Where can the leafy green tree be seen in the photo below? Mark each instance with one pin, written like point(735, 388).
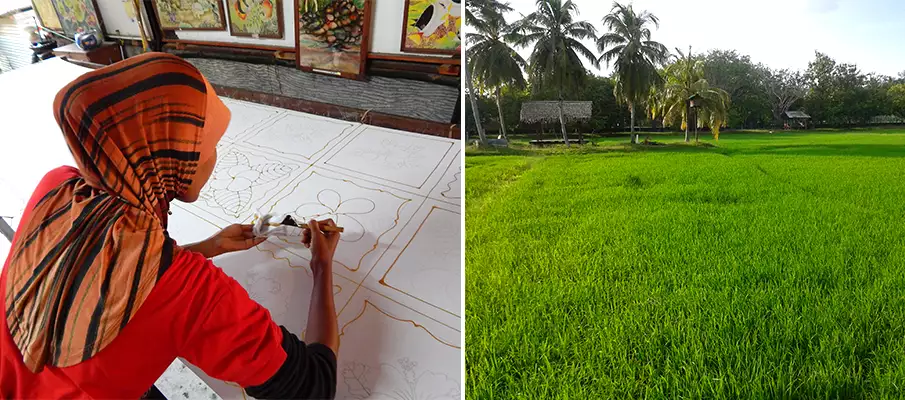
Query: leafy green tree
point(896, 97)
point(841, 95)
point(785, 88)
point(492, 63)
point(875, 97)
point(556, 59)
point(485, 108)
point(511, 100)
point(746, 84)
point(628, 47)
point(606, 114)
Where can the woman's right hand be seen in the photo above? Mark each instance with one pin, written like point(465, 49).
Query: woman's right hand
point(322, 245)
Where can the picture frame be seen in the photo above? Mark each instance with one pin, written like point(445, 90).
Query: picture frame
point(168, 25)
point(276, 6)
point(67, 11)
point(304, 56)
point(47, 14)
point(410, 26)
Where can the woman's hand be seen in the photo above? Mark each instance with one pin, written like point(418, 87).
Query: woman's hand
point(322, 245)
point(232, 238)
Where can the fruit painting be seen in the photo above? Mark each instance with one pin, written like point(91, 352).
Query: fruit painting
point(256, 18)
point(78, 15)
point(46, 14)
point(432, 26)
point(190, 14)
point(333, 36)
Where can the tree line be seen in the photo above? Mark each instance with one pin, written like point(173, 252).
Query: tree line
point(650, 85)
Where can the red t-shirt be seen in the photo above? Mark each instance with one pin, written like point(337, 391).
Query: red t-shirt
point(195, 311)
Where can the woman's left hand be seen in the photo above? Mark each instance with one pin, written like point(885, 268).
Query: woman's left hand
point(232, 238)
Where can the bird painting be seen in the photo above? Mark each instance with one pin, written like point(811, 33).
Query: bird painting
point(433, 17)
point(434, 24)
point(425, 18)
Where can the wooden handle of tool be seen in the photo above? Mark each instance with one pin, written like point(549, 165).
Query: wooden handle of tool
point(326, 228)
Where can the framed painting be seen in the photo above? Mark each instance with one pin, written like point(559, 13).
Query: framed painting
point(78, 14)
point(47, 15)
point(432, 26)
point(200, 15)
point(256, 18)
point(121, 19)
point(333, 36)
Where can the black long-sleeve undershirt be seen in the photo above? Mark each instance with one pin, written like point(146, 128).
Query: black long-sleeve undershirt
point(309, 372)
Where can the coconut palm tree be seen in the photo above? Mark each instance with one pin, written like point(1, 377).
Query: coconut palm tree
point(684, 81)
point(476, 13)
point(628, 47)
point(492, 63)
point(556, 59)
point(712, 109)
point(655, 107)
point(482, 136)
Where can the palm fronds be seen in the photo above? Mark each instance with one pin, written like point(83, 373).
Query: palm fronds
point(627, 46)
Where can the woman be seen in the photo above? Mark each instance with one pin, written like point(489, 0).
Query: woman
point(99, 300)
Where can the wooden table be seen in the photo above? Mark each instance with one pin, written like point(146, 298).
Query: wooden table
point(107, 54)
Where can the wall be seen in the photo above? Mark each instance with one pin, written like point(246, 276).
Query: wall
point(402, 97)
point(386, 37)
point(386, 29)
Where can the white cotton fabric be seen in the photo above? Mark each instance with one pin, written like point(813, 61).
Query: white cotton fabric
point(270, 225)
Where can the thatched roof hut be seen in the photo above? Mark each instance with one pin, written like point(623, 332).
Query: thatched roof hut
point(548, 111)
point(797, 115)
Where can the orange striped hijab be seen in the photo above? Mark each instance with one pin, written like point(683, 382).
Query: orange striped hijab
point(95, 246)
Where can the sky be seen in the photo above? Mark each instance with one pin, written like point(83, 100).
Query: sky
point(778, 33)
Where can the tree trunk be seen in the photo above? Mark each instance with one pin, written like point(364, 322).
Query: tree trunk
point(634, 139)
point(562, 120)
point(687, 120)
point(695, 125)
point(499, 109)
point(475, 111)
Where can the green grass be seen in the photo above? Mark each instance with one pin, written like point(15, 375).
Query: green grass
point(768, 266)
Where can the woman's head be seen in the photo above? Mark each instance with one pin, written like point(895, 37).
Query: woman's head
point(154, 122)
point(143, 132)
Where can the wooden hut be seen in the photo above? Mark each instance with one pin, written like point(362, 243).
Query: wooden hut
point(797, 119)
point(546, 113)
